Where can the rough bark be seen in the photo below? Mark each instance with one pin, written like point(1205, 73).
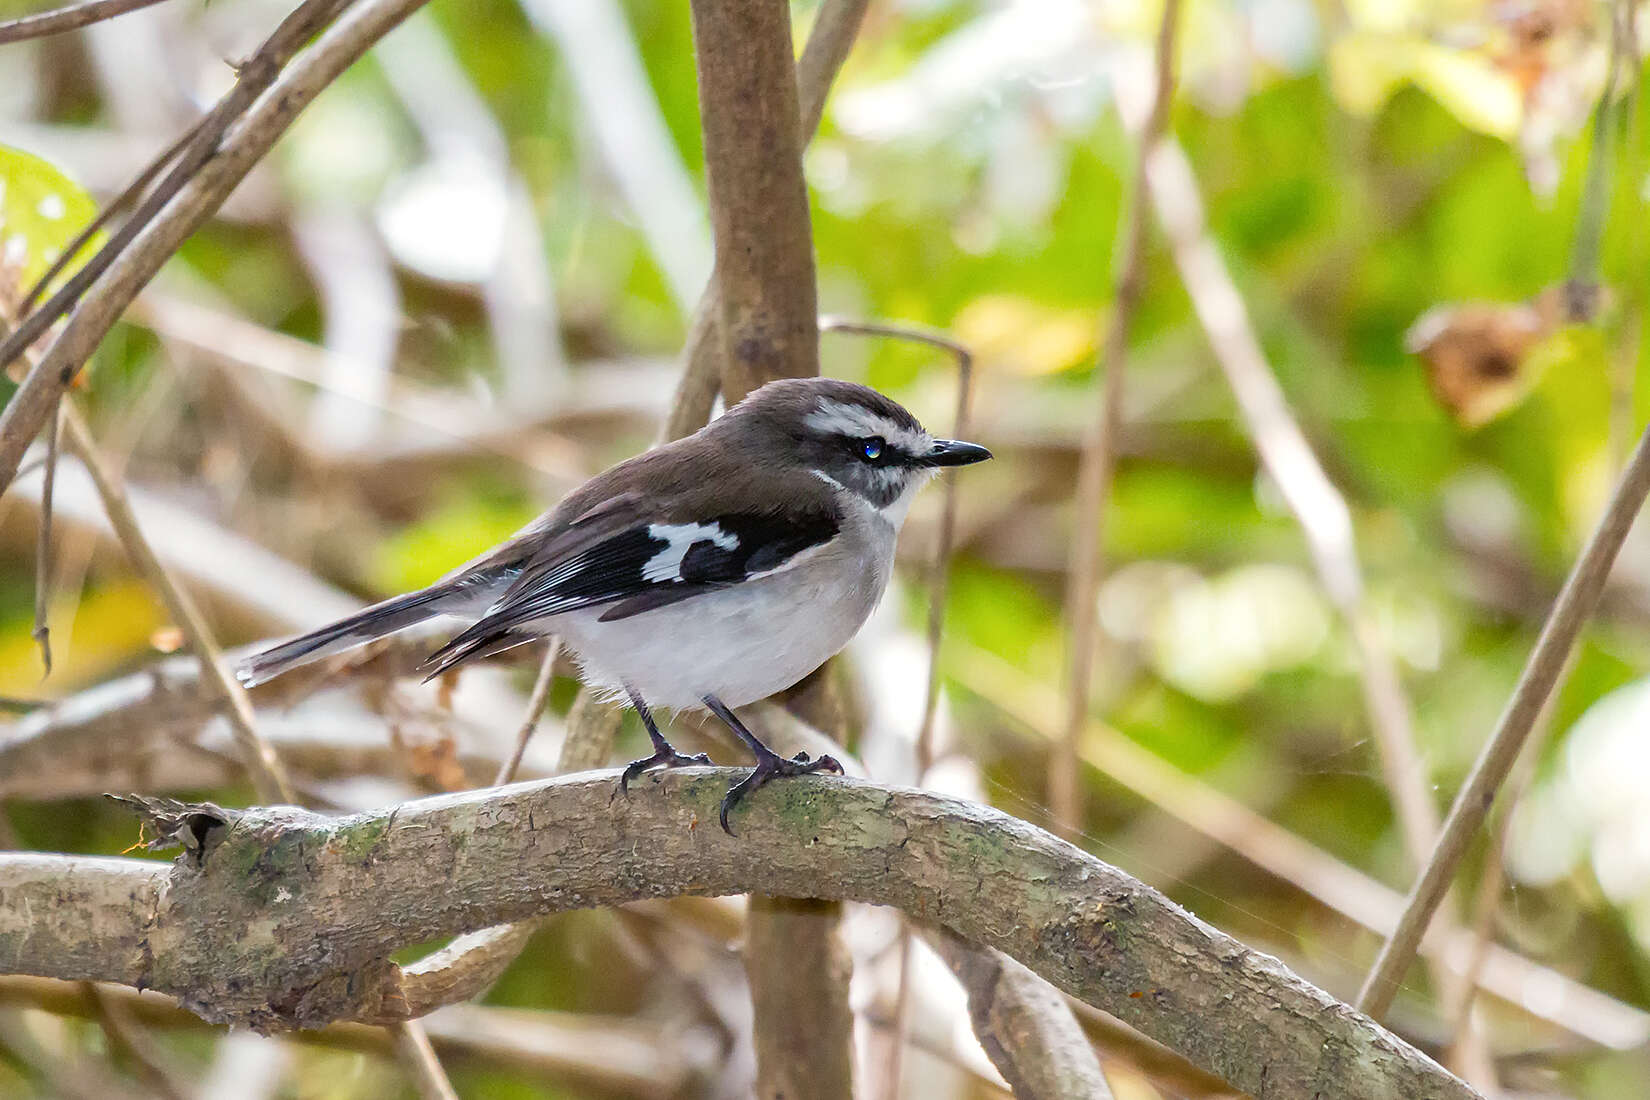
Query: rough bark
point(280, 917)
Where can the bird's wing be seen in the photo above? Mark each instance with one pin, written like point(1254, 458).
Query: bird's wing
point(639, 562)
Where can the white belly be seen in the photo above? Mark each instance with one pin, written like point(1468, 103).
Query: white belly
point(741, 643)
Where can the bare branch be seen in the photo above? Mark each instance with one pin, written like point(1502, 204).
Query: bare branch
point(1024, 1024)
point(43, 558)
point(1344, 889)
point(830, 39)
point(268, 775)
point(208, 184)
point(758, 200)
point(261, 762)
point(626, 1056)
point(233, 925)
point(72, 17)
point(1570, 612)
point(535, 708)
point(197, 148)
point(1095, 469)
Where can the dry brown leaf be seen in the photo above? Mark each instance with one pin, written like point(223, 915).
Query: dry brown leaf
point(1476, 355)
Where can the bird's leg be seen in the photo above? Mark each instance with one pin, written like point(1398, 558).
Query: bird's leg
point(664, 754)
point(769, 764)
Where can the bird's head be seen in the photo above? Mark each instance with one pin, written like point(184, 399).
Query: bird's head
point(849, 436)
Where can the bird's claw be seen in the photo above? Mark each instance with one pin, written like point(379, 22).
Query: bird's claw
point(665, 757)
point(769, 768)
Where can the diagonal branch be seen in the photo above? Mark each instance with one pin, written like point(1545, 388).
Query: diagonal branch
point(1096, 466)
point(1570, 612)
point(269, 777)
point(71, 17)
point(208, 180)
point(233, 925)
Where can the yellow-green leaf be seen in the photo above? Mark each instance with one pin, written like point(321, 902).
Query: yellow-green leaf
point(42, 210)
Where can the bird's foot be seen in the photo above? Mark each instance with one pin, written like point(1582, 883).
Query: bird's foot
point(664, 756)
point(771, 766)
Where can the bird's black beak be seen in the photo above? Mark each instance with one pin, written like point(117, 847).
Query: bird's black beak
point(954, 452)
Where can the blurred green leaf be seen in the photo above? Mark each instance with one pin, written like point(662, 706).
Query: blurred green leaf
point(42, 210)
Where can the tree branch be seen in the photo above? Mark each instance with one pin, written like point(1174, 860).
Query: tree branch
point(72, 17)
point(1570, 612)
point(1099, 455)
point(758, 200)
point(209, 182)
point(279, 917)
point(767, 309)
point(1023, 1023)
point(829, 41)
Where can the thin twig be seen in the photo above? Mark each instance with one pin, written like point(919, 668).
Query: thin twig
point(264, 766)
point(43, 549)
point(128, 195)
point(939, 579)
point(940, 568)
point(1586, 248)
point(268, 777)
point(412, 1043)
point(204, 177)
point(129, 1037)
point(1487, 901)
point(42, 23)
point(1097, 465)
point(1570, 612)
point(535, 708)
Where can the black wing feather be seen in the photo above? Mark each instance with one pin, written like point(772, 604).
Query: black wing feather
point(612, 571)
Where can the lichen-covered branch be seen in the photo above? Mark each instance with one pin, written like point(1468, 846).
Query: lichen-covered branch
point(280, 917)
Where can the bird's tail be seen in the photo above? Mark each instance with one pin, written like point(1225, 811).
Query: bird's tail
point(364, 626)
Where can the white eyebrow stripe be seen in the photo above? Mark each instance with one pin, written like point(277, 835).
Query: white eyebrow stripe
point(666, 565)
point(856, 421)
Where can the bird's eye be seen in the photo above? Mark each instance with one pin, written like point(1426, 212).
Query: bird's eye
point(872, 448)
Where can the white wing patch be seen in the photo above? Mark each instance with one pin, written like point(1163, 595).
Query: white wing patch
point(856, 421)
point(666, 565)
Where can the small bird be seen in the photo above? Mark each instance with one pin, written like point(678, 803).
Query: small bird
point(707, 573)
